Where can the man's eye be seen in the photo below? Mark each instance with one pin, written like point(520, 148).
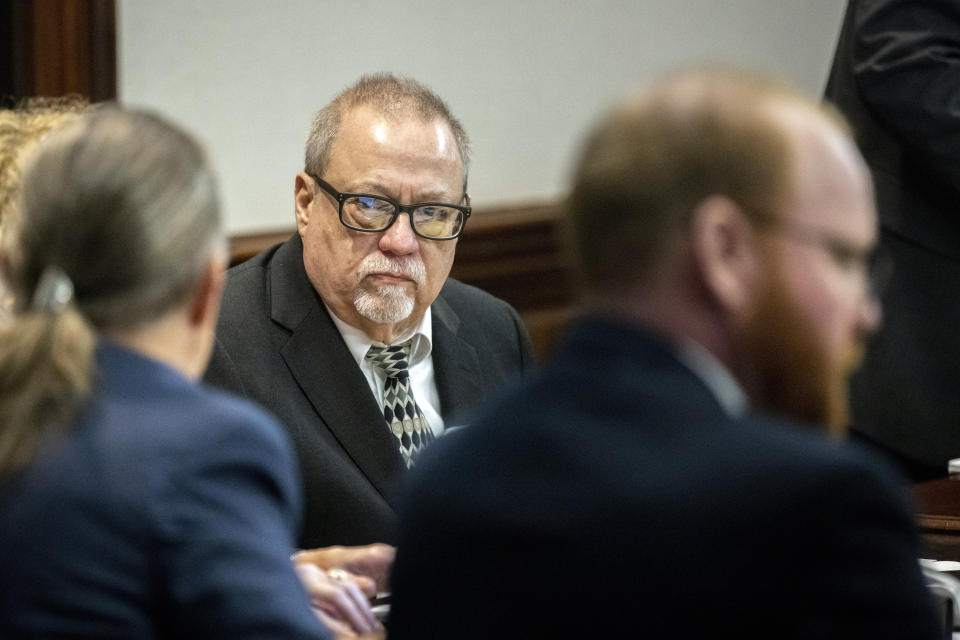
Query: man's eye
point(372, 203)
point(369, 205)
point(440, 214)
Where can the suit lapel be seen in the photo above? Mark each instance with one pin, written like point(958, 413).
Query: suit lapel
point(327, 374)
point(455, 362)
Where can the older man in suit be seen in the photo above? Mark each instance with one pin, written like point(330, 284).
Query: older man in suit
point(351, 332)
point(648, 482)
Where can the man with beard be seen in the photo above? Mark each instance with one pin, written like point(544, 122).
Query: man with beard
point(650, 481)
point(354, 320)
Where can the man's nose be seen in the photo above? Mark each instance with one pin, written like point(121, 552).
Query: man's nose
point(399, 239)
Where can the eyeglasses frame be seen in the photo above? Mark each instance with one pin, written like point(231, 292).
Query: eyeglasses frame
point(877, 263)
point(342, 196)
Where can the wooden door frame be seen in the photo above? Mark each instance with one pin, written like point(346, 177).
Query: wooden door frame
point(57, 48)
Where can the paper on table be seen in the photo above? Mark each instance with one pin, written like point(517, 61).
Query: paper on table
point(953, 466)
point(942, 583)
point(940, 565)
point(380, 605)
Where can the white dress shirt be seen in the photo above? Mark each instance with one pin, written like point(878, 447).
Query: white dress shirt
point(422, 378)
point(715, 376)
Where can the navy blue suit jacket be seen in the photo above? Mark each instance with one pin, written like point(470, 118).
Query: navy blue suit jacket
point(612, 496)
point(167, 510)
point(277, 345)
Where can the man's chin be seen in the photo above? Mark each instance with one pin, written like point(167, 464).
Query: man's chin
point(386, 305)
point(837, 405)
point(795, 375)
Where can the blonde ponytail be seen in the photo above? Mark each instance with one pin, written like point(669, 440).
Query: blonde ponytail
point(46, 375)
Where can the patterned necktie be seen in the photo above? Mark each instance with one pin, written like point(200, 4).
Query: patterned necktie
point(400, 409)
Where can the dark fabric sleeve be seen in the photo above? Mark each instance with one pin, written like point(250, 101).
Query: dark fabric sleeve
point(523, 339)
point(906, 65)
point(859, 560)
point(228, 520)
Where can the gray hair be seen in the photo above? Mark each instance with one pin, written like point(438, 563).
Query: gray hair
point(119, 221)
point(391, 96)
point(126, 205)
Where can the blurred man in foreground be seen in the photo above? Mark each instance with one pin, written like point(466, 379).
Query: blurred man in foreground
point(651, 479)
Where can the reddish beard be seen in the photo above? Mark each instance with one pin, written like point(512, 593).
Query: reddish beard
point(793, 374)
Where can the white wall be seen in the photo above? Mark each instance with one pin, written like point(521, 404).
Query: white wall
point(526, 77)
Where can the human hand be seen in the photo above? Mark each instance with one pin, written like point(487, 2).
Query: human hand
point(373, 561)
point(340, 600)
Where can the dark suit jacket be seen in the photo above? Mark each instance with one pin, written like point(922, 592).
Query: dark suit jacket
point(896, 76)
point(612, 496)
point(167, 510)
point(277, 345)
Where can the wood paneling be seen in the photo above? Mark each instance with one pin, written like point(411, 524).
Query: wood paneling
point(61, 47)
point(938, 517)
point(515, 253)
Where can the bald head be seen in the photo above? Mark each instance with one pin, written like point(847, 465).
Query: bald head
point(396, 98)
point(689, 137)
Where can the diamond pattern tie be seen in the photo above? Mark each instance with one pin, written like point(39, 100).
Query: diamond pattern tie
point(400, 409)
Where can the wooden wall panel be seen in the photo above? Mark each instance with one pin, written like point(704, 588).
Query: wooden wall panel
point(60, 47)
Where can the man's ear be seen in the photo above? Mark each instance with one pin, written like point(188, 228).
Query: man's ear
point(725, 250)
point(205, 305)
point(302, 197)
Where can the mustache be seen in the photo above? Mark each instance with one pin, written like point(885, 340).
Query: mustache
point(409, 267)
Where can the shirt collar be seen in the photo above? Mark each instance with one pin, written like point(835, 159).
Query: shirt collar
point(715, 376)
point(359, 342)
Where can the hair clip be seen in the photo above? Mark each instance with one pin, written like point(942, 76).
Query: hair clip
point(54, 291)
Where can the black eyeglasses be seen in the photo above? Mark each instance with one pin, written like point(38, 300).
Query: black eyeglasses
point(372, 213)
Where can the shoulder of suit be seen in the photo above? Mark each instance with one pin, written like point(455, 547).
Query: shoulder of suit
point(258, 261)
point(804, 449)
point(456, 292)
point(227, 416)
point(246, 282)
